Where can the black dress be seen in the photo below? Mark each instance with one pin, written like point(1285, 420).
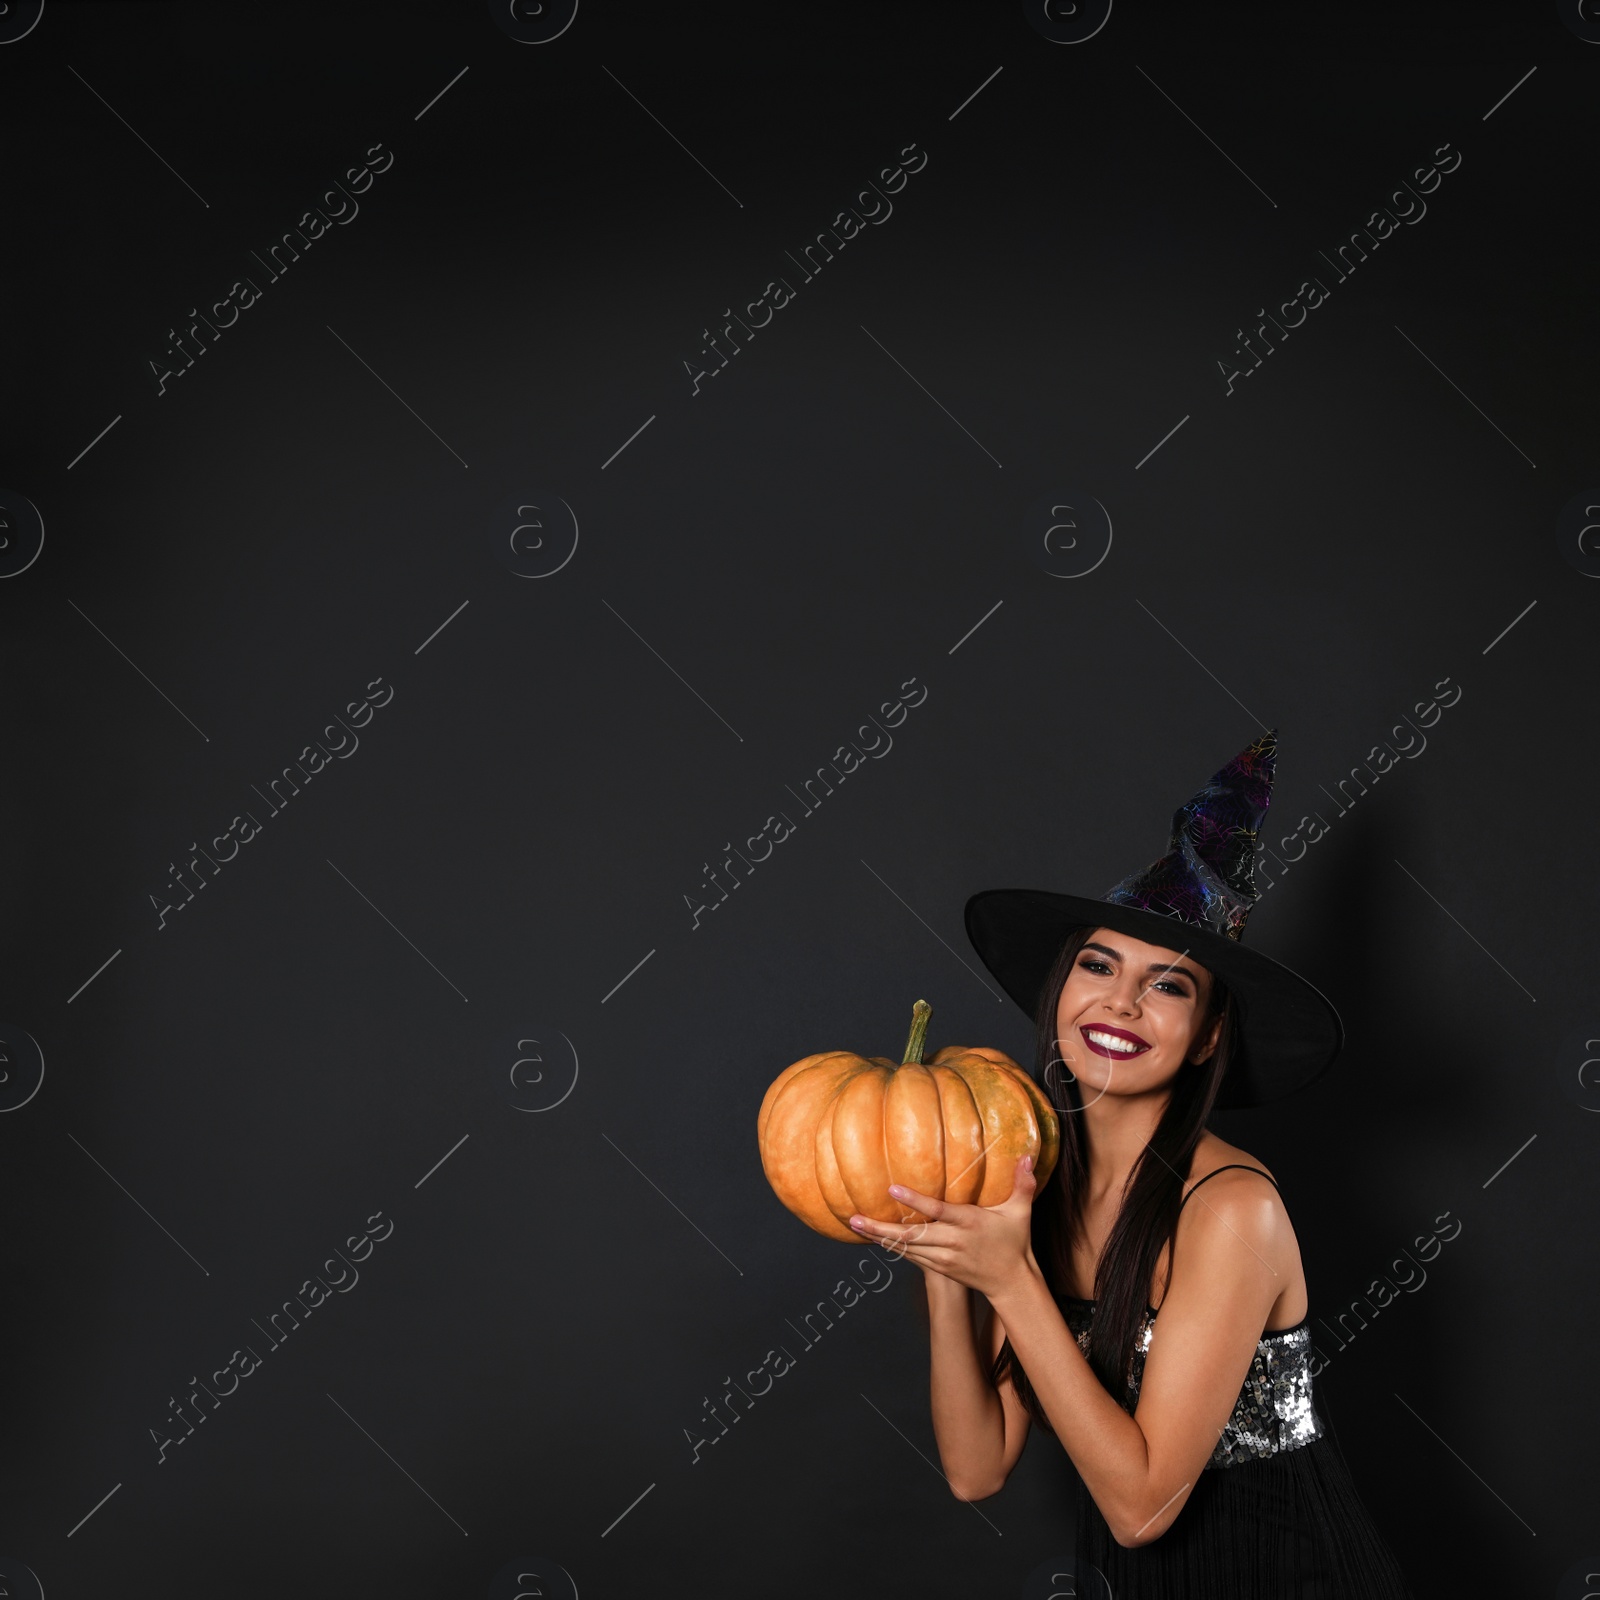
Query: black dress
point(1275, 1515)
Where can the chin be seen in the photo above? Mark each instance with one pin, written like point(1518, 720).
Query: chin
point(1103, 1079)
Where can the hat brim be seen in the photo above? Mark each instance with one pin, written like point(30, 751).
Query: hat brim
point(1289, 1031)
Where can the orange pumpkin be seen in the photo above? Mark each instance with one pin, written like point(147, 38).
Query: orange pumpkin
point(836, 1129)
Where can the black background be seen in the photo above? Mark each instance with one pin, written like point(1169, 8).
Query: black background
point(303, 511)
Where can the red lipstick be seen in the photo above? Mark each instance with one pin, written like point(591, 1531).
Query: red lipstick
point(1111, 1051)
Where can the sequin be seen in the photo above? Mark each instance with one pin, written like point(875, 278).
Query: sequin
point(1275, 1410)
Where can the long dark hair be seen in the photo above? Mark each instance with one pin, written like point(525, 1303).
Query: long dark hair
point(1148, 1215)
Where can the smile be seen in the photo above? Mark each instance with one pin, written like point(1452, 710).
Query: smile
point(1114, 1043)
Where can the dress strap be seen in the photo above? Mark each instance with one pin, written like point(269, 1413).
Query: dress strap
point(1241, 1165)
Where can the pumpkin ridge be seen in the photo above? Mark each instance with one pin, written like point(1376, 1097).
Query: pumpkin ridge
point(959, 1107)
point(838, 1206)
point(1007, 1111)
point(783, 1080)
point(859, 1148)
point(913, 1134)
point(788, 1152)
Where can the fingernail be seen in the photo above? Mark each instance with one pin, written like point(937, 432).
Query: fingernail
point(855, 1222)
point(896, 1190)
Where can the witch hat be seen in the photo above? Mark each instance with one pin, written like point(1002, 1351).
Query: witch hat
point(1195, 898)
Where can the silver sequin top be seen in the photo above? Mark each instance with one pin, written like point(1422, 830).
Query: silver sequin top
point(1275, 1410)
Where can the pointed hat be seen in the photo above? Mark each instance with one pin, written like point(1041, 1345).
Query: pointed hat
point(1195, 898)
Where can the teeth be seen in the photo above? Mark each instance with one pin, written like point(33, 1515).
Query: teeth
point(1112, 1042)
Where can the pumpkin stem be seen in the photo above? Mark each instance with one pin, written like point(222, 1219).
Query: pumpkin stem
point(920, 1013)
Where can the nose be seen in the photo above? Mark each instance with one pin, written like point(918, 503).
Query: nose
point(1123, 1001)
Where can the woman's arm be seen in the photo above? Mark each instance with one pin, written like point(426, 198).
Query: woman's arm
point(981, 1431)
point(1231, 1256)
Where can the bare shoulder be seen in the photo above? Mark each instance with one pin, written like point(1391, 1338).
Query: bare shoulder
point(1235, 1208)
point(1237, 1196)
point(1212, 1153)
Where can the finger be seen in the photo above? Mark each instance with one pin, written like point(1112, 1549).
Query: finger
point(891, 1232)
point(886, 1233)
point(930, 1255)
point(925, 1203)
point(892, 1236)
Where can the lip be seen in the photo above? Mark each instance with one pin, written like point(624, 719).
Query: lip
point(1116, 1033)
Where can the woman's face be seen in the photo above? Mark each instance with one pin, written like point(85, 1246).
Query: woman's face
point(1131, 1014)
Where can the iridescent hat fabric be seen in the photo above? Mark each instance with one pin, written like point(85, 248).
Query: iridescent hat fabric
point(1206, 875)
point(1195, 899)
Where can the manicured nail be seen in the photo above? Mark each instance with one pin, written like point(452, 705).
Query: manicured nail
point(896, 1190)
point(855, 1222)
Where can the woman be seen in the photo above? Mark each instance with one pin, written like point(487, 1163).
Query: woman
point(1205, 1467)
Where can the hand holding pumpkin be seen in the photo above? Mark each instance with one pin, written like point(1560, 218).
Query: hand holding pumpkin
point(836, 1130)
point(987, 1248)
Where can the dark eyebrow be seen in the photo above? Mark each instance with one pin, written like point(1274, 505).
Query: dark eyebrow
point(1155, 966)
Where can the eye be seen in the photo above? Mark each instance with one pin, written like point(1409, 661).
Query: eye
point(1172, 986)
point(1093, 964)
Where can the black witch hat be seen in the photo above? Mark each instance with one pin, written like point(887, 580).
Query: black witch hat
point(1195, 898)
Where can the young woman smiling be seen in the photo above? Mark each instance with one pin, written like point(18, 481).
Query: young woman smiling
point(1205, 1469)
